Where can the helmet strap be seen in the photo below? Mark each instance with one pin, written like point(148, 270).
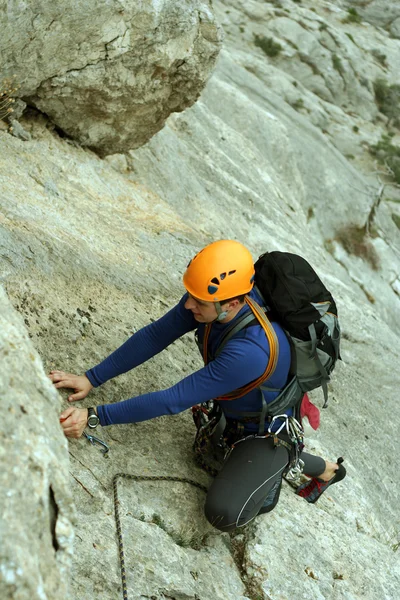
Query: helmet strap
point(222, 314)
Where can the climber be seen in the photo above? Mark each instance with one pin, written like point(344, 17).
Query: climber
point(219, 284)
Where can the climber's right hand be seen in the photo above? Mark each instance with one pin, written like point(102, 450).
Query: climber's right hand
point(79, 383)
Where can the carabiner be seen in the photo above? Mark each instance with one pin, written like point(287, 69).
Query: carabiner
point(95, 440)
point(284, 424)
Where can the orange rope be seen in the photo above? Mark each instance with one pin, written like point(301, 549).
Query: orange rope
point(273, 354)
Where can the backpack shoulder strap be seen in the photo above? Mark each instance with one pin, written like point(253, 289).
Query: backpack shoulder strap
point(234, 328)
point(237, 326)
point(258, 313)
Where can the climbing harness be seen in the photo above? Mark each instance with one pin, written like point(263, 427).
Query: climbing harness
point(118, 518)
point(295, 432)
point(294, 446)
point(95, 440)
point(209, 445)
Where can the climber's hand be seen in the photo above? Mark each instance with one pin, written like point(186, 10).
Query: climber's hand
point(79, 383)
point(73, 421)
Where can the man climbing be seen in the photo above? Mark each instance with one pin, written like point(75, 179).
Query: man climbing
point(220, 291)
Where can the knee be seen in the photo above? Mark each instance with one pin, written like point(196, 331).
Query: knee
point(227, 516)
point(220, 515)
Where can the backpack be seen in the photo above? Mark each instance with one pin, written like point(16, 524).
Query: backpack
point(295, 297)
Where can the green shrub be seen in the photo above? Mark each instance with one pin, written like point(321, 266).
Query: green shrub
point(389, 155)
point(380, 57)
point(355, 241)
point(297, 104)
point(337, 63)
point(267, 45)
point(396, 220)
point(387, 98)
point(352, 16)
point(355, 129)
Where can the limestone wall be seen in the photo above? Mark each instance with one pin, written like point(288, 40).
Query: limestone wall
point(36, 506)
point(109, 73)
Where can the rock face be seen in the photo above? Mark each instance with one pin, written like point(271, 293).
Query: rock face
point(36, 508)
point(93, 249)
point(110, 73)
point(378, 12)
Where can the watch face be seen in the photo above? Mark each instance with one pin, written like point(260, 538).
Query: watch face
point(93, 421)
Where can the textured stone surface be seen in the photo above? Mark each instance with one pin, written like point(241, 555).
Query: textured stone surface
point(377, 12)
point(92, 249)
point(36, 507)
point(109, 73)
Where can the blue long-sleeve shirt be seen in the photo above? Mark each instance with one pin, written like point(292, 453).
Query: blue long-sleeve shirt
point(242, 360)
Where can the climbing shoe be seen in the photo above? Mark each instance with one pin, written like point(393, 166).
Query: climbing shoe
point(313, 489)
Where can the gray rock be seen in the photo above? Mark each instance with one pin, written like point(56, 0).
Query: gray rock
point(395, 28)
point(36, 506)
point(110, 74)
point(91, 250)
point(18, 131)
point(377, 12)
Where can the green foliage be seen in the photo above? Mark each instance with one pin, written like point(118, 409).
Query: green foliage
point(323, 26)
point(352, 16)
point(355, 241)
point(355, 129)
point(387, 98)
point(337, 63)
point(185, 539)
point(380, 57)
point(157, 520)
point(351, 38)
point(297, 104)
point(267, 45)
point(389, 155)
point(396, 220)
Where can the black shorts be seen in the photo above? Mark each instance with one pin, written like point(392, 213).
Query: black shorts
point(251, 474)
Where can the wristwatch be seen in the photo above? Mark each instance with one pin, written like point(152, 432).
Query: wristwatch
point(93, 419)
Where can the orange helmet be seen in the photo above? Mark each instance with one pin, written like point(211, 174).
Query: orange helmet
point(220, 271)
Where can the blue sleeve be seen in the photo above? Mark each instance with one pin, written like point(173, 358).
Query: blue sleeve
point(144, 344)
point(239, 363)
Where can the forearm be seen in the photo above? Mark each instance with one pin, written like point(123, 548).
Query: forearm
point(217, 378)
point(144, 344)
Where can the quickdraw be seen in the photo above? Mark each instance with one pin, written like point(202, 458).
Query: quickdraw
point(104, 448)
point(295, 433)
